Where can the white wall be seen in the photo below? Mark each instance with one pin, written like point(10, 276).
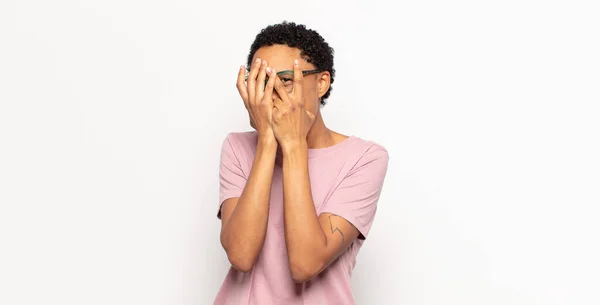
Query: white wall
point(113, 112)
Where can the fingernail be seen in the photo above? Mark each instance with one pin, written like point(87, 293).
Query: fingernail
point(268, 70)
point(257, 60)
point(296, 62)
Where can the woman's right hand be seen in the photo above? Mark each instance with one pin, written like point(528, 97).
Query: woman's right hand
point(258, 100)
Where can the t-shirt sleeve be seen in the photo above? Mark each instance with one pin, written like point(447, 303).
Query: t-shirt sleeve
point(356, 197)
point(231, 176)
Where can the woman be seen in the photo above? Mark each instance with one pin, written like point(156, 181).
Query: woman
point(297, 199)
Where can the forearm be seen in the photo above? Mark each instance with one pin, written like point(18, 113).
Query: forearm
point(244, 233)
point(303, 234)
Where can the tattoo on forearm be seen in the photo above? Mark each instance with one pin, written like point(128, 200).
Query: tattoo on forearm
point(336, 228)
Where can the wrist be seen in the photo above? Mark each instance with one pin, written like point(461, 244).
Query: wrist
point(267, 139)
point(289, 147)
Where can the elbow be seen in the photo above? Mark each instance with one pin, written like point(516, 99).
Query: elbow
point(239, 259)
point(242, 263)
point(299, 277)
point(304, 270)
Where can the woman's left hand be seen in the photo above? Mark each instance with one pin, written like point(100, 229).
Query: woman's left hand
point(291, 120)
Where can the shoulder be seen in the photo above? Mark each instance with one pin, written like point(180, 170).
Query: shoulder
point(240, 145)
point(241, 140)
point(242, 136)
point(367, 157)
point(369, 149)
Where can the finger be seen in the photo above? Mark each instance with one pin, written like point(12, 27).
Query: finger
point(311, 116)
point(268, 97)
point(279, 107)
point(278, 103)
point(241, 85)
point(298, 78)
point(252, 79)
point(276, 115)
point(260, 82)
point(280, 89)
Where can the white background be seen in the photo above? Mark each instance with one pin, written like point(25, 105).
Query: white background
point(113, 113)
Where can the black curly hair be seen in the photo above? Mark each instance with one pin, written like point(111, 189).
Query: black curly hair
point(312, 46)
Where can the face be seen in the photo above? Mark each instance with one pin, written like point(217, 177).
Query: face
point(281, 57)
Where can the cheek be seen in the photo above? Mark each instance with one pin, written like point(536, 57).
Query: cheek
point(311, 98)
point(311, 93)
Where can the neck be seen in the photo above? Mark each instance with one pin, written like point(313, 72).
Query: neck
point(319, 135)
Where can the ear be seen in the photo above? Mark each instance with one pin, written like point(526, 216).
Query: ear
point(323, 83)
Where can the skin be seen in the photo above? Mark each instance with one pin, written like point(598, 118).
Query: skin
point(291, 123)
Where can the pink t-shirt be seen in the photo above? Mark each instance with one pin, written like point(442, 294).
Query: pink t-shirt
point(346, 180)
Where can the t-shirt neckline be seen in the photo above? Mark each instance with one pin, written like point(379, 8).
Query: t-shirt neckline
point(325, 151)
point(317, 152)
